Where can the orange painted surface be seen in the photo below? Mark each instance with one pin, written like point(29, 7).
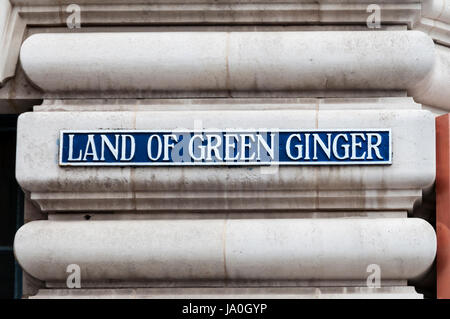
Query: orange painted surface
point(443, 205)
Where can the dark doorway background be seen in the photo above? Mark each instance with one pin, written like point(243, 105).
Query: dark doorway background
point(11, 209)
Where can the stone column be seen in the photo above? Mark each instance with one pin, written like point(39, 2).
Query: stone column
point(227, 230)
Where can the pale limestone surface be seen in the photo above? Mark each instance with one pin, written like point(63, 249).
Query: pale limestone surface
point(25, 13)
point(393, 186)
point(159, 223)
point(436, 9)
point(434, 89)
point(12, 29)
point(435, 20)
point(233, 293)
point(234, 61)
point(241, 249)
point(429, 16)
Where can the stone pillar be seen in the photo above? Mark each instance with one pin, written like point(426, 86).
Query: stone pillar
point(253, 226)
point(316, 229)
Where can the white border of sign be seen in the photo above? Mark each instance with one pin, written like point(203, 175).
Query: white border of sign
point(181, 164)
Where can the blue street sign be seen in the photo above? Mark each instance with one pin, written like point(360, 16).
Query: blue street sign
point(227, 147)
